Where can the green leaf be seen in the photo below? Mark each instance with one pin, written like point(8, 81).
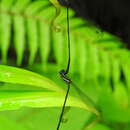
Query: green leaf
point(32, 39)
point(19, 29)
point(18, 99)
point(11, 124)
point(14, 100)
point(112, 109)
point(121, 95)
point(44, 43)
point(82, 60)
point(19, 39)
point(100, 127)
point(5, 29)
point(59, 48)
point(102, 57)
point(20, 76)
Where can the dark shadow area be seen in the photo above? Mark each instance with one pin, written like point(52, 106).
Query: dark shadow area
point(110, 15)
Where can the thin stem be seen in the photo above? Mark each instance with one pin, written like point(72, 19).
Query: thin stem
point(68, 28)
point(63, 108)
point(63, 73)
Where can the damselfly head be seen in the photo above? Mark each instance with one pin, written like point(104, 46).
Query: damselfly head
point(62, 72)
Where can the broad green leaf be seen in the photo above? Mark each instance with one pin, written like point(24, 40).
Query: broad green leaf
point(20, 76)
point(99, 127)
point(16, 100)
point(6, 123)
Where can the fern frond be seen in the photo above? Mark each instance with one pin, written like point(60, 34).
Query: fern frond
point(30, 24)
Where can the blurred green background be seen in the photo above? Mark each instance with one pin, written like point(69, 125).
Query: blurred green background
point(99, 66)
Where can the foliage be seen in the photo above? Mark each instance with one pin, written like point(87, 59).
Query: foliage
point(99, 61)
point(18, 99)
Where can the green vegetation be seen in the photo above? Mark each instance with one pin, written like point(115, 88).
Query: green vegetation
point(32, 100)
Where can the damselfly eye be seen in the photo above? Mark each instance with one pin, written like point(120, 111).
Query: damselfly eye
point(64, 2)
point(62, 72)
